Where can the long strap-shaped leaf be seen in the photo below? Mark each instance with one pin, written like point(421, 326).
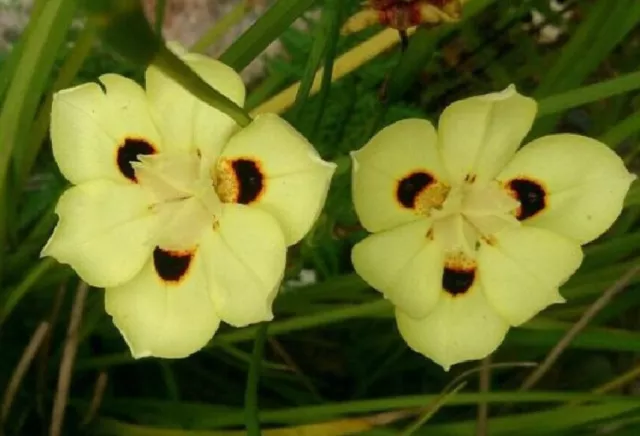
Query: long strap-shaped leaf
point(32, 71)
point(124, 27)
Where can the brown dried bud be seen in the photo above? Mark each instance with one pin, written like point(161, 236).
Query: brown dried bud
point(403, 14)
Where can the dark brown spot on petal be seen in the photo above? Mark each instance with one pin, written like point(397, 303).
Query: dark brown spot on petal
point(410, 187)
point(129, 152)
point(459, 274)
point(531, 195)
point(250, 179)
point(457, 281)
point(172, 266)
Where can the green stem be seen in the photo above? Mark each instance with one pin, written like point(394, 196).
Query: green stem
point(123, 26)
point(215, 32)
point(251, 394)
point(419, 53)
point(161, 8)
point(263, 32)
point(175, 68)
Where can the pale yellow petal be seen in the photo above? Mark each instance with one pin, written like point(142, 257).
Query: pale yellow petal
point(479, 135)
point(187, 123)
point(522, 269)
point(166, 310)
point(581, 185)
point(404, 264)
point(284, 175)
point(104, 231)
point(89, 125)
point(384, 194)
point(246, 256)
point(460, 328)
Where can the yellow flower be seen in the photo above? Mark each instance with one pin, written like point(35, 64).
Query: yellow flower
point(183, 218)
point(470, 236)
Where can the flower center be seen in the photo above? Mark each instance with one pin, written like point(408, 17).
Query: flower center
point(473, 211)
point(183, 197)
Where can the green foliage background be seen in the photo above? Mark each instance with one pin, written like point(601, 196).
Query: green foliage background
point(333, 351)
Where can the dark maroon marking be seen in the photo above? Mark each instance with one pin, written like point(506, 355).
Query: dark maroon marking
point(411, 186)
point(171, 266)
point(457, 281)
point(129, 152)
point(531, 195)
point(250, 180)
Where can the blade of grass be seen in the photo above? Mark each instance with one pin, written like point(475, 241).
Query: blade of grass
point(544, 333)
point(210, 416)
point(538, 423)
point(11, 62)
point(587, 94)
point(433, 409)
point(222, 26)
point(624, 129)
point(264, 31)
point(563, 344)
point(607, 24)
point(123, 26)
point(420, 50)
point(16, 294)
point(325, 29)
point(275, 328)
point(27, 85)
point(79, 53)
point(161, 8)
point(484, 385)
point(331, 52)
point(355, 58)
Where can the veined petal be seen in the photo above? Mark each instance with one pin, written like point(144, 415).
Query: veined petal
point(460, 328)
point(569, 184)
point(271, 166)
point(391, 172)
point(104, 231)
point(186, 123)
point(522, 269)
point(96, 134)
point(166, 310)
point(404, 264)
point(245, 258)
point(479, 135)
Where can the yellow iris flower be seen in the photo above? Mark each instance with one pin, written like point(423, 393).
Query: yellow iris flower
point(184, 218)
point(472, 236)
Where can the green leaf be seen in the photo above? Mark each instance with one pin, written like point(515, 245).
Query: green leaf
point(27, 86)
point(211, 416)
point(606, 25)
point(267, 29)
point(123, 26)
point(587, 94)
point(538, 423)
point(545, 332)
point(325, 37)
